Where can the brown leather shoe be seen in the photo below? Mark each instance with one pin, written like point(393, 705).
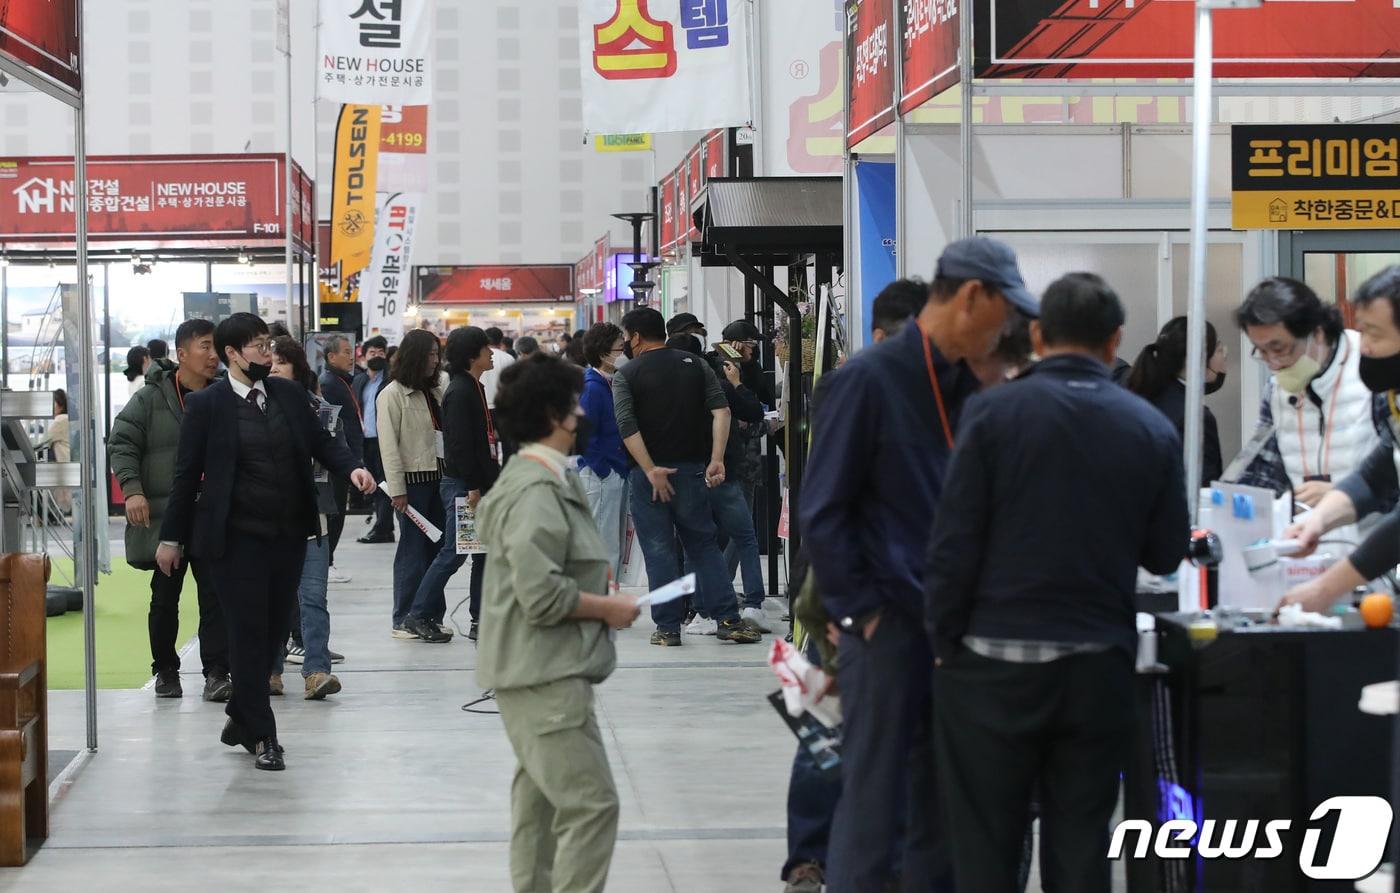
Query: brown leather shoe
point(274, 684)
point(318, 685)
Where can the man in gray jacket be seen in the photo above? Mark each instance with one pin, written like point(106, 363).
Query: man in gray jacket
point(144, 440)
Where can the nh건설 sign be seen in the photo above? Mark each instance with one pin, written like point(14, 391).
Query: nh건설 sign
point(1316, 176)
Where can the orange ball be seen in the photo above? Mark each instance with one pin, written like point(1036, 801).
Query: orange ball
point(1376, 610)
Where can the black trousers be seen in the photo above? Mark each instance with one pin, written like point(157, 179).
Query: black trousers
point(335, 524)
point(887, 832)
point(163, 622)
point(1006, 731)
point(383, 509)
point(256, 581)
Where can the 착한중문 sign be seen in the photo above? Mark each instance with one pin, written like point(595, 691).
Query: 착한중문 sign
point(1316, 176)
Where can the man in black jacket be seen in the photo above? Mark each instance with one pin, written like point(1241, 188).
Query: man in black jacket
point(337, 389)
point(244, 503)
point(1061, 485)
point(366, 388)
point(470, 468)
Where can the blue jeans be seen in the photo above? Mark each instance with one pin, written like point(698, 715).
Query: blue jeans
point(811, 803)
point(314, 615)
point(735, 520)
point(689, 515)
point(416, 552)
point(430, 602)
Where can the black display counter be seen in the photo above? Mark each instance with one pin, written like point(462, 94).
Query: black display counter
point(1260, 723)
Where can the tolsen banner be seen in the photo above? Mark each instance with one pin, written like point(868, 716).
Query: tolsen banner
point(1316, 176)
point(353, 196)
point(655, 66)
point(375, 51)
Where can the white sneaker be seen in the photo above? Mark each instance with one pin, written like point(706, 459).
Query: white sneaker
point(335, 575)
point(400, 633)
point(757, 618)
point(701, 626)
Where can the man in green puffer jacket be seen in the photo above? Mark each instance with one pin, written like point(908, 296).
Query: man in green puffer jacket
point(145, 438)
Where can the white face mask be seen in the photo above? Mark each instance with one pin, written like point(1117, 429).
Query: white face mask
point(619, 362)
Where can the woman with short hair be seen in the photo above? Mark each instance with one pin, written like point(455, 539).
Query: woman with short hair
point(546, 635)
point(602, 462)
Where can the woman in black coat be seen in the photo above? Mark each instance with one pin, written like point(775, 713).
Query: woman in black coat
point(1159, 375)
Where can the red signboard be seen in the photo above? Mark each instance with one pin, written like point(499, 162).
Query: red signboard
point(668, 212)
point(583, 273)
point(496, 284)
point(42, 35)
point(869, 67)
point(1091, 39)
point(929, 41)
point(602, 249)
point(404, 129)
point(713, 154)
point(695, 181)
point(233, 200)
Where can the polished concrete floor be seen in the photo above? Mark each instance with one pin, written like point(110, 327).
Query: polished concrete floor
point(391, 785)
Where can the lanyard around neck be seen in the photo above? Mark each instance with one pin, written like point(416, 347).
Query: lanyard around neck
point(937, 391)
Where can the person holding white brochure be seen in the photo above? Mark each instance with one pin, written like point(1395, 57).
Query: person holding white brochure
point(546, 636)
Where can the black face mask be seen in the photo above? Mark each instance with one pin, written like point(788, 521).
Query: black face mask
point(627, 349)
point(377, 364)
point(1381, 374)
point(1213, 386)
point(256, 372)
point(583, 433)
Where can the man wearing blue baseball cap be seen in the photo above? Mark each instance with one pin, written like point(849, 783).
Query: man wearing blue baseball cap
point(884, 432)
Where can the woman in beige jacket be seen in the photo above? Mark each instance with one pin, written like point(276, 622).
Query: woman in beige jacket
point(409, 410)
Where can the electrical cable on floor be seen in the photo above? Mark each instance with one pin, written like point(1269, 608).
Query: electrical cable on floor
point(488, 695)
point(452, 617)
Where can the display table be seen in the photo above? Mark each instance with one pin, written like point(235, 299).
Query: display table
point(1260, 723)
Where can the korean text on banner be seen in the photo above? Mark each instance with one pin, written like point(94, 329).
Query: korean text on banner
point(375, 51)
point(869, 61)
point(929, 40)
point(664, 65)
point(1316, 176)
point(353, 195)
point(384, 290)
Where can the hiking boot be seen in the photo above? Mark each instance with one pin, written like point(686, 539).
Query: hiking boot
point(318, 685)
point(423, 629)
point(168, 684)
point(444, 629)
point(666, 639)
point(217, 688)
point(805, 878)
point(274, 685)
point(737, 632)
point(401, 632)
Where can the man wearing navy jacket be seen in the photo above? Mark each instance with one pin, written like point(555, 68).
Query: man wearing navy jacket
point(337, 389)
point(244, 503)
point(886, 423)
point(1062, 484)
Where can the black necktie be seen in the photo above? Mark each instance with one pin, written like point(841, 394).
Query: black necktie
point(253, 398)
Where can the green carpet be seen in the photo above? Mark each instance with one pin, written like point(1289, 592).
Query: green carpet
point(123, 648)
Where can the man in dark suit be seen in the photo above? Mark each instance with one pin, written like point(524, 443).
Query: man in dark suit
point(337, 389)
point(366, 387)
point(244, 503)
point(1061, 486)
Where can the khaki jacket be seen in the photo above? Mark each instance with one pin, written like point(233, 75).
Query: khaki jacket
point(407, 437)
point(545, 550)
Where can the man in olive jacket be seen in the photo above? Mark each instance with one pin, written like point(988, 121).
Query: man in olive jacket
point(144, 439)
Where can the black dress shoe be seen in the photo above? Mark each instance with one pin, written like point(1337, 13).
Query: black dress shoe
point(372, 538)
point(234, 736)
point(269, 756)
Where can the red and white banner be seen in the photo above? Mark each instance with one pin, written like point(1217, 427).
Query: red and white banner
point(402, 179)
point(478, 284)
point(929, 40)
point(869, 67)
point(656, 66)
point(148, 201)
point(1092, 39)
point(43, 37)
point(375, 52)
point(668, 212)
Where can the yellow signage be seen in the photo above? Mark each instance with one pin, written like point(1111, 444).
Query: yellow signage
point(622, 142)
point(1319, 176)
point(353, 196)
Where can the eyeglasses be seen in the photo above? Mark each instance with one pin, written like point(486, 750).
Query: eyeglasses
point(1269, 353)
point(262, 347)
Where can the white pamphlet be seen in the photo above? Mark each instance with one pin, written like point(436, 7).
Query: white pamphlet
point(670, 592)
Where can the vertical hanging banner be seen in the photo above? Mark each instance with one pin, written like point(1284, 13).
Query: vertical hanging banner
point(875, 196)
point(353, 196)
point(657, 66)
point(402, 179)
point(869, 68)
point(929, 40)
point(375, 51)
